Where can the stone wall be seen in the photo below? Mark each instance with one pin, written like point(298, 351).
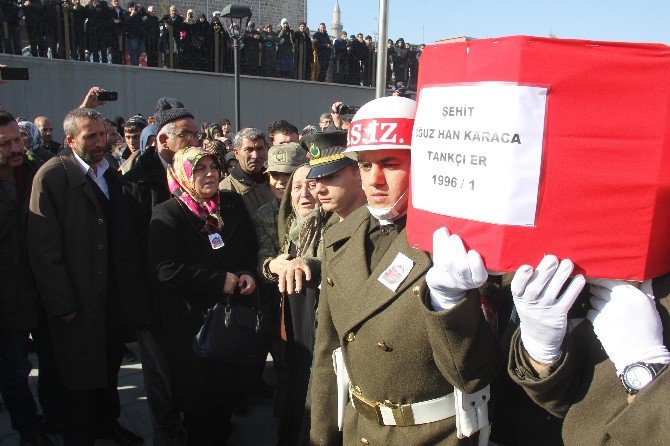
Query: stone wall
point(57, 86)
point(264, 11)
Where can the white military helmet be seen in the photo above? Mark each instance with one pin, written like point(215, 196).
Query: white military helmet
point(382, 124)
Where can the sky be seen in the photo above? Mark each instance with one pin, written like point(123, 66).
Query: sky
point(430, 20)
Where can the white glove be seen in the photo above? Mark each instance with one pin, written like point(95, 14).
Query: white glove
point(454, 270)
point(543, 314)
point(627, 324)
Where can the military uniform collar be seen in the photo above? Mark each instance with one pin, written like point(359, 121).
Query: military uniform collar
point(344, 229)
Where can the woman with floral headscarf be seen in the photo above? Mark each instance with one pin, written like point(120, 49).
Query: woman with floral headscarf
point(202, 247)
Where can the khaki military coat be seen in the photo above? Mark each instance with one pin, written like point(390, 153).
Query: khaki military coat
point(583, 388)
point(395, 347)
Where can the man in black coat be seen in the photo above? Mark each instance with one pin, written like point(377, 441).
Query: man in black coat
point(303, 52)
point(341, 59)
point(34, 17)
point(98, 25)
point(9, 13)
point(21, 315)
point(82, 263)
point(324, 50)
point(115, 39)
point(173, 23)
point(146, 187)
point(152, 35)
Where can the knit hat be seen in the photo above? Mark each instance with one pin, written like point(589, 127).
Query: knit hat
point(168, 110)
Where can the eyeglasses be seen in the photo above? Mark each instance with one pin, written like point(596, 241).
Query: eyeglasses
point(185, 134)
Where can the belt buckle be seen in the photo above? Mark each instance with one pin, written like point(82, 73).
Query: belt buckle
point(367, 408)
point(402, 413)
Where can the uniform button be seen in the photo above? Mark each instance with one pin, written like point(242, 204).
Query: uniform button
point(101, 221)
point(100, 246)
point(365, 441)
point(329, 281)
point(351, 337)
point(383, 346)
point(416, 290)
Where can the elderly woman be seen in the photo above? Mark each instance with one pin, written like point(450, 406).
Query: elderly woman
point(301, 225)
point(202, 247)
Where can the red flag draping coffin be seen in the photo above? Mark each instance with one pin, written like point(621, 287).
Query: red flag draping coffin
point(527, 146)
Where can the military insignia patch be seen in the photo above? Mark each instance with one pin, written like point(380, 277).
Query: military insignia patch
point(314, 150)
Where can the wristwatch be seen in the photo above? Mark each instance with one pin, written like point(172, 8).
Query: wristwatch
point(637, 375)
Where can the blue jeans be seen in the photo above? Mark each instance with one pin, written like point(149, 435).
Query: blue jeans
point(134, 50)
point(14, 371)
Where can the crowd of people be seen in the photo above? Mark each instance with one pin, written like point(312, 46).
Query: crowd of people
point(133, 34)
point(140, 229)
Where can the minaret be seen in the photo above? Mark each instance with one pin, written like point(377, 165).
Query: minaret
point(336, 26)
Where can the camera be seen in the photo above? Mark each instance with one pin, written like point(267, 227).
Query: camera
point(347, 110)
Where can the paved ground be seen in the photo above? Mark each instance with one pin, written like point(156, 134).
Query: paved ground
point(256, 428)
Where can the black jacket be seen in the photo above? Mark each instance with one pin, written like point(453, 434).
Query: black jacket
point(191, 276)
point(19, 303)
point(83, 262)
point(145, 187)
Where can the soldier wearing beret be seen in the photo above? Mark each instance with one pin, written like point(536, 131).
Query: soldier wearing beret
point(413, 352)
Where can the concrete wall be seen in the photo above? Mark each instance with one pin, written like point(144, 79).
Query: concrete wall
point(57, 86)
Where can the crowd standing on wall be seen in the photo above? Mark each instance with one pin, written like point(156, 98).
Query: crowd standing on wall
point(134, 34)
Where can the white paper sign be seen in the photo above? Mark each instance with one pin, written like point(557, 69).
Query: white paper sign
point(477, 151)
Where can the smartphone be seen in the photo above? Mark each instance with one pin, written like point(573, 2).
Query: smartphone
point(13, 74)
point(108, 96)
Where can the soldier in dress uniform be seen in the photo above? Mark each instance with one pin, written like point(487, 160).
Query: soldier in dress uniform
point(406, 332)
point(607, 378)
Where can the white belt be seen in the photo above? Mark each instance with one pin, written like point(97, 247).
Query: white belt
point(391, 414)
point(424, 412)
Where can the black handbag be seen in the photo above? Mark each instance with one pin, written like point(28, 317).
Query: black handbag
point(233, 332)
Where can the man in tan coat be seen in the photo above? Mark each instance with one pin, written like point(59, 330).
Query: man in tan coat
point(247, 178)
point(410, 329)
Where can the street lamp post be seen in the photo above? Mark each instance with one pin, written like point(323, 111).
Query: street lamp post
point(235, 14)
point(381, 49)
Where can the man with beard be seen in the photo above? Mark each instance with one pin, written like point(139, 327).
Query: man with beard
point(83, 263)
point(21, 314)
point(248, 178)
point(46, 129)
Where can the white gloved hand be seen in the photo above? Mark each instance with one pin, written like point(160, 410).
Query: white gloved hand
point(543, 314)
point(454, 270)
point(626, 322)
